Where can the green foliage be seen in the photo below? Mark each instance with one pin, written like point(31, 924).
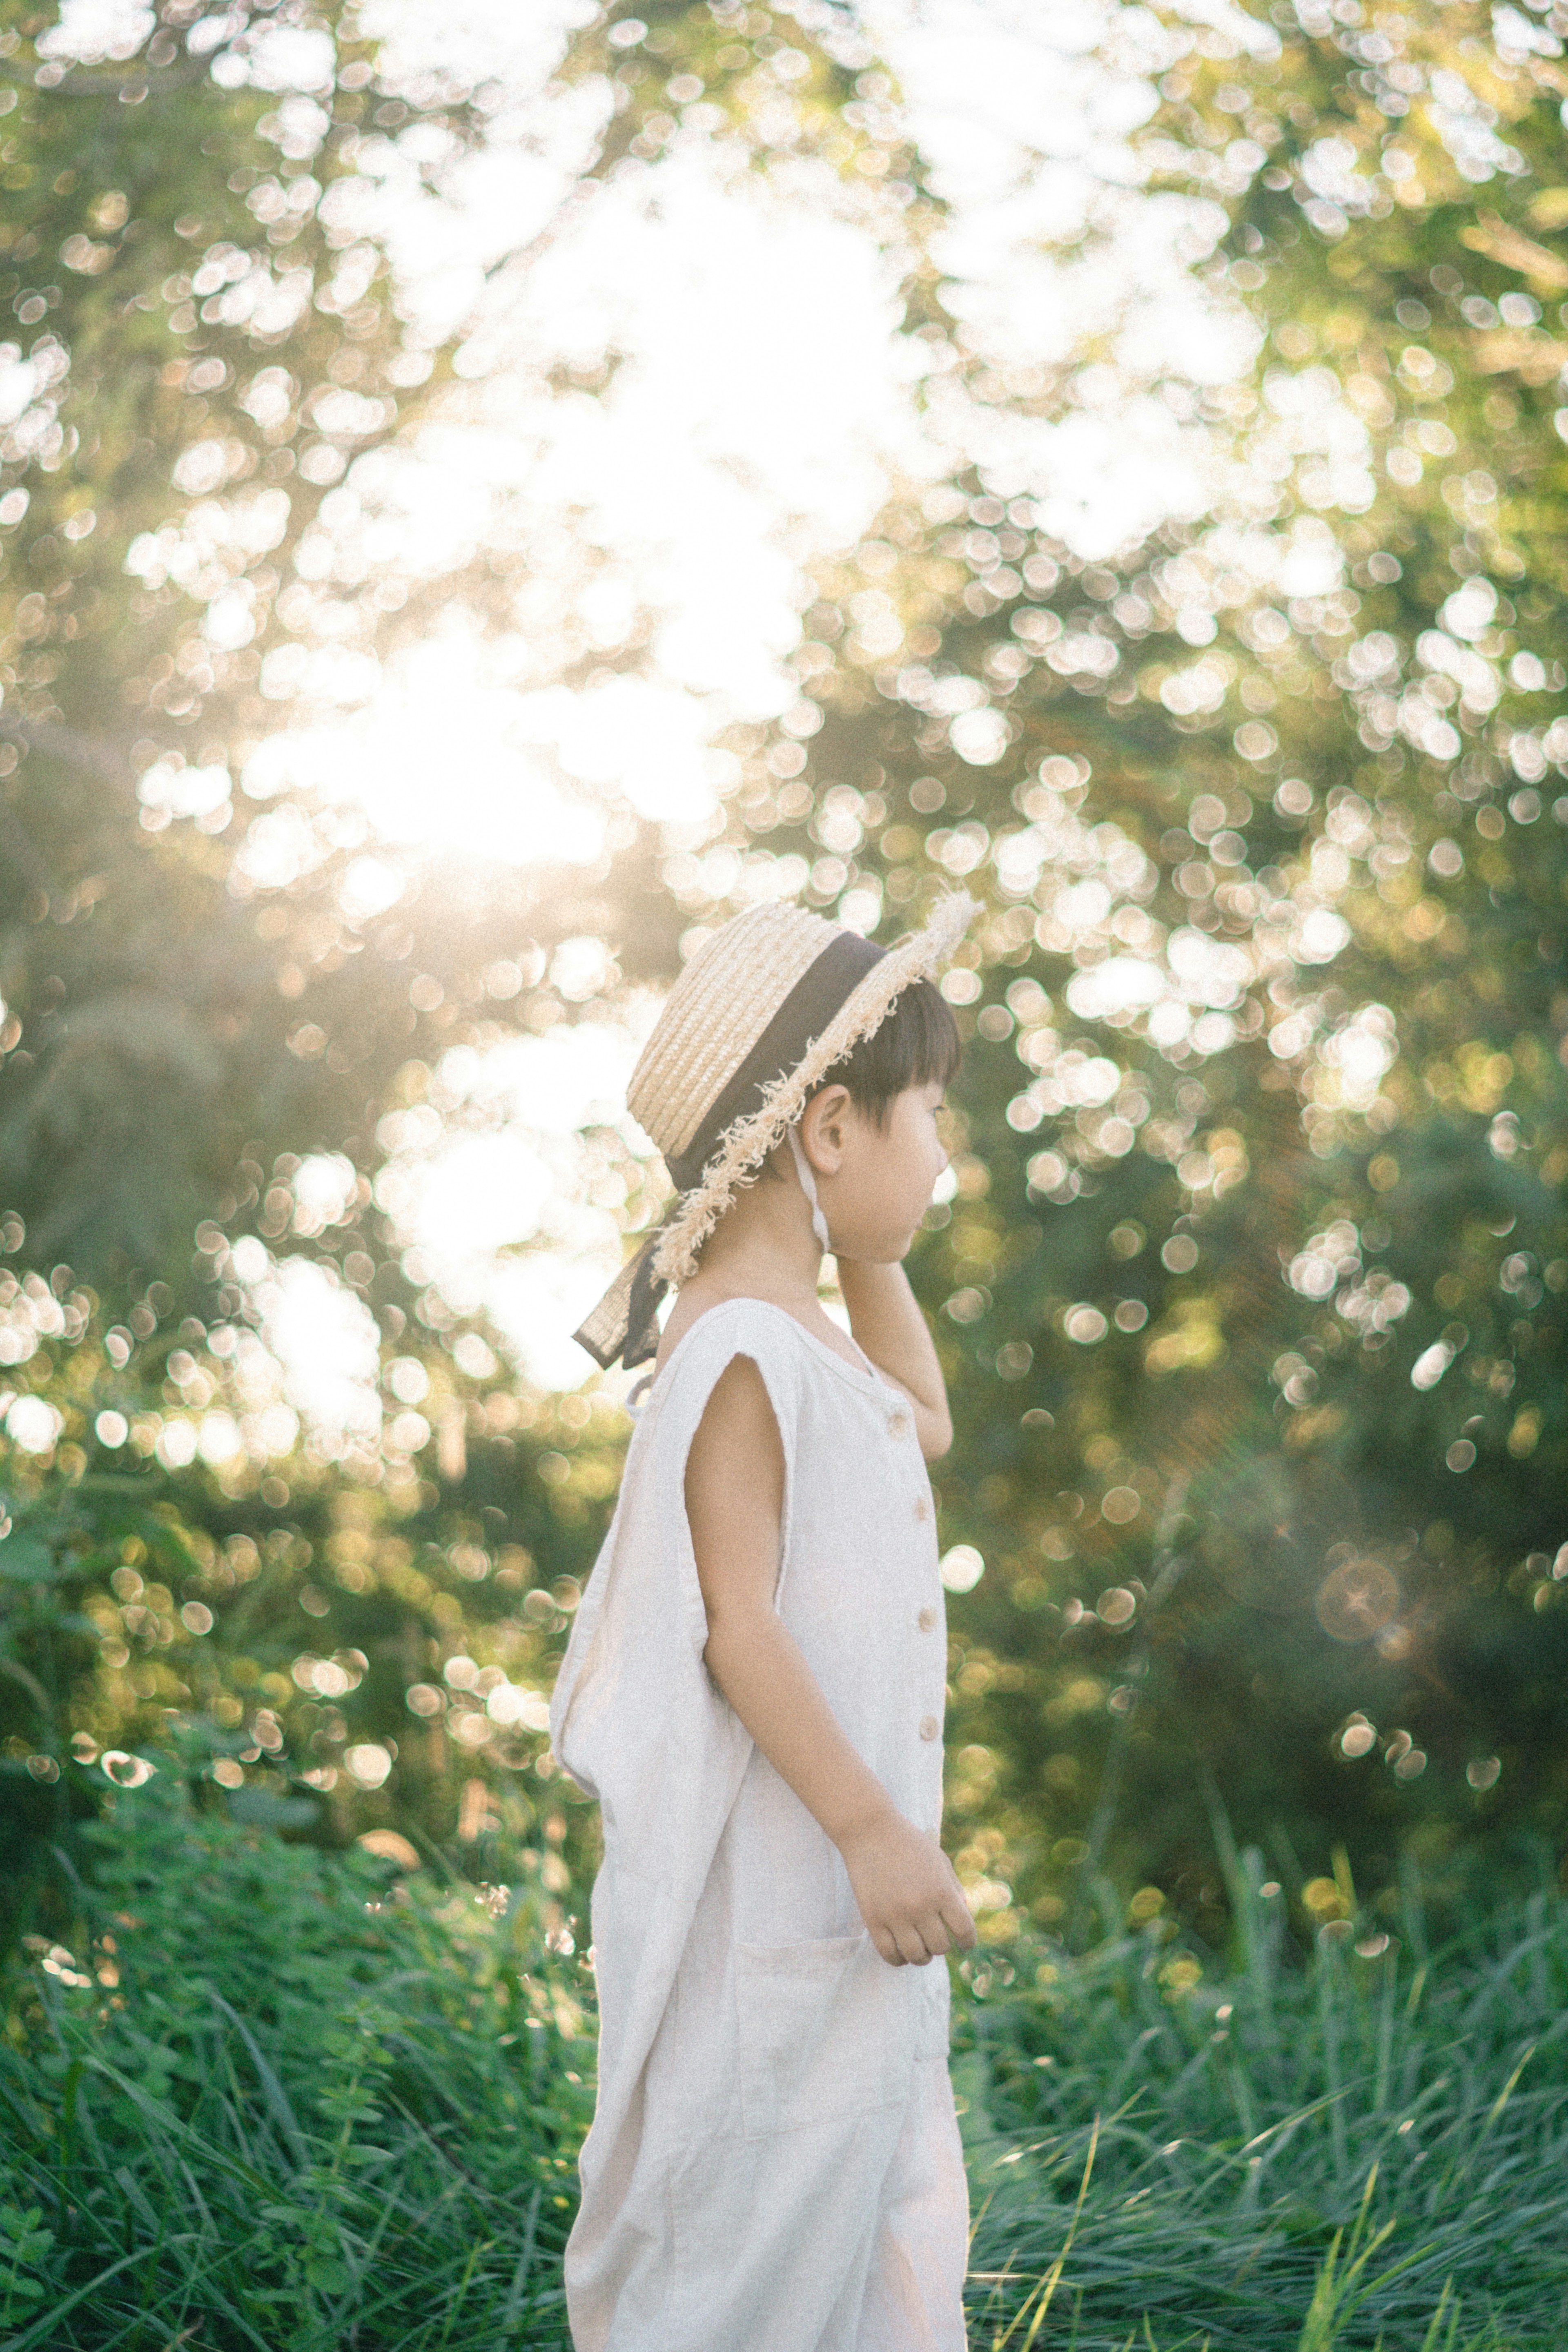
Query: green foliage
point(220, 382)
point(1281, 2154)
point(264, 2096)
point(1252, 1290)
point(209, 321)
point(290, 1659)
point(273, 2096)
point(224, 382)
point(58, 1554)
point(1251, 1299)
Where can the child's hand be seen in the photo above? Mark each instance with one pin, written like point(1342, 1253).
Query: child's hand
point(908, 1892)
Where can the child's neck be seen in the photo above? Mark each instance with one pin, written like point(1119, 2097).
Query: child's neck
point(763, 1247)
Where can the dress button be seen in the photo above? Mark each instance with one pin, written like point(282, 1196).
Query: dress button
point(929, 1727)
point(898, 1424)
point(923, 1507)
point(926, 1620)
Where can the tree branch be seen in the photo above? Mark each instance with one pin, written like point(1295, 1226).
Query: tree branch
point(154, 81)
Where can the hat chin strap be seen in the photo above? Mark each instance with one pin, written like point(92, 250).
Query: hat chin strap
point(808, 1186)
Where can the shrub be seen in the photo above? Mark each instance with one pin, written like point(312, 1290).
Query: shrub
point(271, 2097)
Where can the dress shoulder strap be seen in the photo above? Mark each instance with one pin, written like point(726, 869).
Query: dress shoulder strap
point(737, 1327)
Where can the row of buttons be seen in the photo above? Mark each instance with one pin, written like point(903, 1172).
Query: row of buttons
point(930, 1724)
point(898, 1425)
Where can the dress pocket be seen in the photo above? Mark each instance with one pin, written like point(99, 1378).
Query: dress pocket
point(826, 2030)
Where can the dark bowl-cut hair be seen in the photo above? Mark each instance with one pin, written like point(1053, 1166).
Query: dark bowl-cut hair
point(916, 1046)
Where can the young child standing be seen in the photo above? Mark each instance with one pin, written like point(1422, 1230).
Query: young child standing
point(754, 1684)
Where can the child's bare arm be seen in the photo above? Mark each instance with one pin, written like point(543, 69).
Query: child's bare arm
point(889, 1326)
point(908, 1895)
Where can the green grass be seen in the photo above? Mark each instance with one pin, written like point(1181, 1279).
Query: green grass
point(307, 2115)
point(313, 2116)
point(1340, 2151)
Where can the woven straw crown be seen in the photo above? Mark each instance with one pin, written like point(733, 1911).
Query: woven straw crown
point(715, 1012)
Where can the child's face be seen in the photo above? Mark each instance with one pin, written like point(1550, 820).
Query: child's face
point(875, 1181)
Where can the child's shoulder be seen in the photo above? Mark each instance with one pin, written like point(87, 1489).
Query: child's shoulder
point(800, 1369)
point(693, 1360)
point(727, 1324)
point(738, 1322)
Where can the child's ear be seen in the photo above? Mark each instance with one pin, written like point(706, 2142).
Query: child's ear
point(824, 1128)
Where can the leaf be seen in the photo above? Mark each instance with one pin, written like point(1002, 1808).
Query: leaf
point(259, 1809)
point(25, 1560)
point(16, 1671)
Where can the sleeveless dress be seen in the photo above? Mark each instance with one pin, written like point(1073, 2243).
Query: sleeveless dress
point(774, 2163)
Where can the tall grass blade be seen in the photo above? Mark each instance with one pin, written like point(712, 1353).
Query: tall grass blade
point(1053, 2278)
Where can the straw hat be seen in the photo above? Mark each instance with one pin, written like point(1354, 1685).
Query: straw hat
point(763, 1011)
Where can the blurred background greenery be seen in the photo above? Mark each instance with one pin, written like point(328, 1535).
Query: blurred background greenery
point(1251, 1285)
point(484, 495)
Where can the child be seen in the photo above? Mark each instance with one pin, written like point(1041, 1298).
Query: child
point(753, 1686)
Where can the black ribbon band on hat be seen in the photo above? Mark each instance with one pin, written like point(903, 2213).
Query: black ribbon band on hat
point(799, 1021)
point(641, 1319)
point(624, 1325)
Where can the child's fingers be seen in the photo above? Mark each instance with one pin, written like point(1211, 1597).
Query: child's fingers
point(882, 1938)
point(960, 1924)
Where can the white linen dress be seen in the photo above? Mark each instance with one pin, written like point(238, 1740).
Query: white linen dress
point(774, 2163)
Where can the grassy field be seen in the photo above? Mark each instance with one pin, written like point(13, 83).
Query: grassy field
point(264, 2100)
point(1366, 2146)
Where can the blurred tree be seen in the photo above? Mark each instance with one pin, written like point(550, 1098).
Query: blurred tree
point(209, 1047)
point(214, 366)
point(1253, 1281)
